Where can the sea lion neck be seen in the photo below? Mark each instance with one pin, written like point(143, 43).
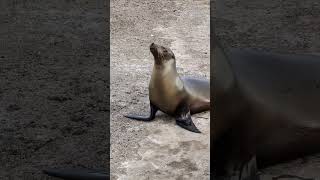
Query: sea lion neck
point(165, 67)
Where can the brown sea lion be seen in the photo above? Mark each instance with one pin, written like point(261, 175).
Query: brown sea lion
point(266, 110)
point(78, 174)
point(171, 94)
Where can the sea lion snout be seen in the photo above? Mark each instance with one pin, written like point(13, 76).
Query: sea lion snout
point(152, 45)
point(153, 48)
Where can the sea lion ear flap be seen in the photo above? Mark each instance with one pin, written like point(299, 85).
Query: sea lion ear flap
point(223, 76)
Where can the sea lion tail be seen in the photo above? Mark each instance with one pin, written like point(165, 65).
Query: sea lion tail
point(77, 174)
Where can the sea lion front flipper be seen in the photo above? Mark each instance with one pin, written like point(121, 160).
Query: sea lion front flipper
point(246, 170)
point(183, 118)
point(77, 174)
point(249, 170)
point(230, 163)
point(153, 111)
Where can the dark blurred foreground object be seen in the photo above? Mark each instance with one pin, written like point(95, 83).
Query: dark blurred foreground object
point(78, 174)
point(265, 111)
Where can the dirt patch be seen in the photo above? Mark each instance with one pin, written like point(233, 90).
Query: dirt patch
point(53, 86)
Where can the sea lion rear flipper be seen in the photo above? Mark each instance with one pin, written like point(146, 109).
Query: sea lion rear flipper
point(77, 174)
point(183, 119)
point(153, 111)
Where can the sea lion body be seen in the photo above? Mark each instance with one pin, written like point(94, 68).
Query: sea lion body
point(266, 112)
point(172, 94)
point(285, 97)
point(167, 89)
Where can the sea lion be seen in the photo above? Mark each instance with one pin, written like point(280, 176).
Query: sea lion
point(266, 110)
point(171, 94)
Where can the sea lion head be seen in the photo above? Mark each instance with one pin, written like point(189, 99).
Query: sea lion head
point(161, 54)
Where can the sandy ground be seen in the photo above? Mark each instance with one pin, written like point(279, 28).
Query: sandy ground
point(278, 26)
point(158, 149)
point(53, 86)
